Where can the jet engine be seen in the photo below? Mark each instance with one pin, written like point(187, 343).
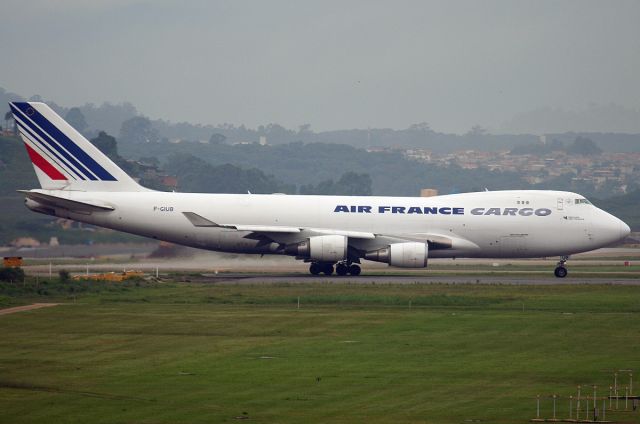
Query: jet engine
point(404, 255)
point(331, 248)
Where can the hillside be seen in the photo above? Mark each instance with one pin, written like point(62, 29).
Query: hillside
point(303, 164)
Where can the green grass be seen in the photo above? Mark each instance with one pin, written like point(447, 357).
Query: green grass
point(206, 353)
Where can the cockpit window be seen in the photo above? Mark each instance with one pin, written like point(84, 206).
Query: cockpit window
point(582, 202)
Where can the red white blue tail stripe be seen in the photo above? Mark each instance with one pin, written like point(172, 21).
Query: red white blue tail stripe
point(52, 151)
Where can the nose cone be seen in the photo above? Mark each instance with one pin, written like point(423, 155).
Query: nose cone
point(624, 229)
point(607, 229)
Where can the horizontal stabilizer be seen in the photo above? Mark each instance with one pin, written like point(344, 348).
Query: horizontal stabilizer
point(72, 205)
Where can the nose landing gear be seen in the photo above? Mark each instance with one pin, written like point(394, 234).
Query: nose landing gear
point(561, 270)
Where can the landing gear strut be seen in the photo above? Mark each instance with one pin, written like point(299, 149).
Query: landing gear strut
point(561, 270)
point(342, 268)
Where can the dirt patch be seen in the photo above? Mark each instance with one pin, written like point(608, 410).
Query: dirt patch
point(26, 308)
point(31, 387)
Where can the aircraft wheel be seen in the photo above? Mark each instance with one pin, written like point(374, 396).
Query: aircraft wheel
point(315, 268)
point(560, 272)
point(354, 270)
point(327, 269)
point(342, 269)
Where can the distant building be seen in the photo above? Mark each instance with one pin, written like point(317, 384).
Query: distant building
point(263, 140)
point(170, 181)
point(25, 242)
point(428, 192)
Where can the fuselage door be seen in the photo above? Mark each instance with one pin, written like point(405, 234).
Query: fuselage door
point(560, 204)
point(514, 246)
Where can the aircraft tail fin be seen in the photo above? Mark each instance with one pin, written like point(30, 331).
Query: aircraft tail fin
point(62, 157)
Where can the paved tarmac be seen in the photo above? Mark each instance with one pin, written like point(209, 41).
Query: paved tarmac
point(541, 279)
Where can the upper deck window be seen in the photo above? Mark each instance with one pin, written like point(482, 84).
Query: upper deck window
point(582, 202)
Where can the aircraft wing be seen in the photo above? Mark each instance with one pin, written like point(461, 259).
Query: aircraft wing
point(200, 221)
point(360, 240)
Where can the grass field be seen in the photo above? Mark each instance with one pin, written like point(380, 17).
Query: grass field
point(204, 353)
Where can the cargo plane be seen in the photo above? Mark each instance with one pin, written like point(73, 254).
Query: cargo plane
point(331, 233)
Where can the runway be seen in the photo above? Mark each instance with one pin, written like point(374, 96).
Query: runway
point(541, 280)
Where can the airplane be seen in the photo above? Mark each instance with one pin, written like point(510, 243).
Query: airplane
point(331, 233)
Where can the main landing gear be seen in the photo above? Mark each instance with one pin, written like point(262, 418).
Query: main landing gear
point(561, 270)
point(326, 268)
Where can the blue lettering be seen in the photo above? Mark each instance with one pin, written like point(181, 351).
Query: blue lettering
point(428, 210)
point(458, 211)
point(364, 209)
point(383, 209)
point(445, 211)
point(543, 212)
point(414, 209)
point(341, 208)
point(397, 209)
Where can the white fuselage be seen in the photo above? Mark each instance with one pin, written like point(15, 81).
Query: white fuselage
point(500, 224)
point(80, 182)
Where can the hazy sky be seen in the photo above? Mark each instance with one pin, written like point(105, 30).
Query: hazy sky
point(332, 64)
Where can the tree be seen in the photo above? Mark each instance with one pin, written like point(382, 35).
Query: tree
point(354, 184)
point(420, 127)
point(477, 130)
point(75, 118)
point(217, 138)
point(7, 117)
point(584, 146)
point(349, 184)
point(12, 275)
point(197, 175)
point(138, 130)
point(64, 276)
point(106, 144)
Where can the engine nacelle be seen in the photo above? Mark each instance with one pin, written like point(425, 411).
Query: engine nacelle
point(331, 248)
point(404, 255)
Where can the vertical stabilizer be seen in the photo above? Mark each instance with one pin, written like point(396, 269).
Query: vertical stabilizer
point(62, 157)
